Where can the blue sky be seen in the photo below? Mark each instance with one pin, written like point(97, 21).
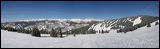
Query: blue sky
point(24, 10)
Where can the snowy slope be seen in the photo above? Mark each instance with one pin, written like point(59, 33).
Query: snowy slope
point(140, 38)
point(137, 21)
point(101, 27)
point(123, 23)
point(97, 27)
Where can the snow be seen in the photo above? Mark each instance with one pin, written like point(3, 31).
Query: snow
point(89, 20)
point(129, 19)
point(108, 28)
point(137, 21)
point(154, 22)
point(84, 20)
point(121, 26)
point(91, 27)
point(97, 27)
point(61, 20)
point(141, 38)
point(103, 27)
point(76, 20)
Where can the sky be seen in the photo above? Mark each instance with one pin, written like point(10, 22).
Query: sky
point(26, 10)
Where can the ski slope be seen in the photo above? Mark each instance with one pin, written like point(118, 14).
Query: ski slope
point(140, 38)
point(137, 21)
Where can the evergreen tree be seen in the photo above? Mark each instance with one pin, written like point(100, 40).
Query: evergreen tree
point(67, 33)
point(120, 30)
point(106, 31)
point(102, 31)
point(29, 31)
point(38, 34)
point(125, 30)
point(148, 25)
point(53, 33)
point(23, 30)
point(74, 34)
point(9, 29)
point(91, 31)
point(60, 31)
point(35, 32)
point(18, 30)
point(2, 27)
point(14, 29)
point(26, 31)
point(156, 23)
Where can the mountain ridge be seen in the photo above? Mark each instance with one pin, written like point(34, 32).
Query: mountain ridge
point(131, 23)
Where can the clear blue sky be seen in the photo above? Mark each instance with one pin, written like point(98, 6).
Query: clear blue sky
point(24, 10)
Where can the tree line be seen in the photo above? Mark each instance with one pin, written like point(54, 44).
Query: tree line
point(35, 31)
point(132, 28)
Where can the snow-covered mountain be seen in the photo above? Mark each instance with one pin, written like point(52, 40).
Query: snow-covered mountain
point(143, 37)
point(145, 34)
point(123, 23)
point(48, 24)
point(130, 23)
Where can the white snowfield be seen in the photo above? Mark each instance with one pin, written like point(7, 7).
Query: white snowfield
point(140, 38)
point(137, 21)
point(98, 27)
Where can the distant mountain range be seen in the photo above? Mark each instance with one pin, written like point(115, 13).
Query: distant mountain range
point(134, 23)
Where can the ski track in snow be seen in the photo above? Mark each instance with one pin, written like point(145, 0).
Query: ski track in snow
point(140, 38)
